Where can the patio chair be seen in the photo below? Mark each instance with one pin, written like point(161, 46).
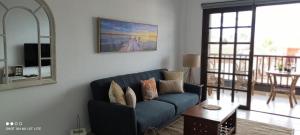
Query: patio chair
point(212, 80)
point(241, 82)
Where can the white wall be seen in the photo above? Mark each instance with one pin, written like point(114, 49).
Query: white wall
point(191, 23)
point(54, 107)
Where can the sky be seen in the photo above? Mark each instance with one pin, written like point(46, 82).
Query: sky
point(125, 27)
point(279, 23)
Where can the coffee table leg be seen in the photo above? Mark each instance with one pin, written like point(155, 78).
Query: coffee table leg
point(234, 122)
point(230, 123)
point(187, 126)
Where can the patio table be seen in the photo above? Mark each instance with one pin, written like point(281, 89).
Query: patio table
point(272, 74)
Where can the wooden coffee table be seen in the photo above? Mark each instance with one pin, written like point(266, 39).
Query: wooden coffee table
point(200, 121)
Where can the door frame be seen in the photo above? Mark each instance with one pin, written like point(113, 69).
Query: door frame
point(204, 51)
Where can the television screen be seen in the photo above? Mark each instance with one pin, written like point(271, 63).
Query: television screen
point(31, 54)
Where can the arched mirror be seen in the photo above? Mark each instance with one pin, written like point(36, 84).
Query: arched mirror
point(27, 44)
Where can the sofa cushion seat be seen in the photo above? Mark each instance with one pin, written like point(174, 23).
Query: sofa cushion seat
point(182, 101)
point(153, 113)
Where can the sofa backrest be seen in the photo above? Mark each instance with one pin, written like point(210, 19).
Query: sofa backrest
point(100, 87)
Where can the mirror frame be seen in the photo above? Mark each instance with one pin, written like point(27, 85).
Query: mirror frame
point(52, 39)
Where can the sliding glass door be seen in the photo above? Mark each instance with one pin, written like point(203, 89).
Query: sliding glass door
point(227, 53)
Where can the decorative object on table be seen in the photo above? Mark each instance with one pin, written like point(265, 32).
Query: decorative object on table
point(78, 130)
point(288, 67)
point(280, 67)
point(18, 70)
point(149, 89)
point(212, 107)
point(14, 71)
point(191, 61)
point(121, 36)
point(244, 127)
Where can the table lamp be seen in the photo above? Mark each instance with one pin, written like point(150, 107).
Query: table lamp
point(191, 61)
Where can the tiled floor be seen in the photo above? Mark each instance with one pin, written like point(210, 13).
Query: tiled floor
point(279, 106)
point(271, 119)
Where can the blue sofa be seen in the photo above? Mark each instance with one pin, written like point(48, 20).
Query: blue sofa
point(113, 119)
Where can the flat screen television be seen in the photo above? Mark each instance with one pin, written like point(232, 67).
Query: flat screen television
point(31, 54)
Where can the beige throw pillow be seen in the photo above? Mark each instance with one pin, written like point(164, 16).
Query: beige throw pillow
point(149, 89)
point(116, 94)
point(171, 86)
point(130, 97)
point(174, 75)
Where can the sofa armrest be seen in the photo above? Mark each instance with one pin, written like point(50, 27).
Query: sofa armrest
point(197, 89)
point(111, 119)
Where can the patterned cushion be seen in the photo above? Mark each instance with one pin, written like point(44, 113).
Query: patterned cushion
point(116, 94)
point(149, 89)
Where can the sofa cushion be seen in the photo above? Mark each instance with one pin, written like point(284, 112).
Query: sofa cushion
point(116, 94)
point(182, 101)
point(170, 86)
point(130, 97)
point(153, 113)
point(100, 87)
point(174, 75)
point(149, 89)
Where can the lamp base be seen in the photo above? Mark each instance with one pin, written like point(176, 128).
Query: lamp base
point(190, 77)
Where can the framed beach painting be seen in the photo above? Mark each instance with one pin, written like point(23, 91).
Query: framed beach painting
point(121, 36)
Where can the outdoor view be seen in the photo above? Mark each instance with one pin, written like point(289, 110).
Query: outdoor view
point(277, 40)
point(276, 49)
point(277, 30)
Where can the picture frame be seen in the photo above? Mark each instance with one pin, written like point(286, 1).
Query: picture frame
point(122, 36)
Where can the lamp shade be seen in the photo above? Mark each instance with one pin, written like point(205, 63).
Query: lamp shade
point(191, 60)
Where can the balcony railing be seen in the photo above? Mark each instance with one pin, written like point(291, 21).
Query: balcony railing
point(261, 64)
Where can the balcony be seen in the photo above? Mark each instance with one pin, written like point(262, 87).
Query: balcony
point(261, 64)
